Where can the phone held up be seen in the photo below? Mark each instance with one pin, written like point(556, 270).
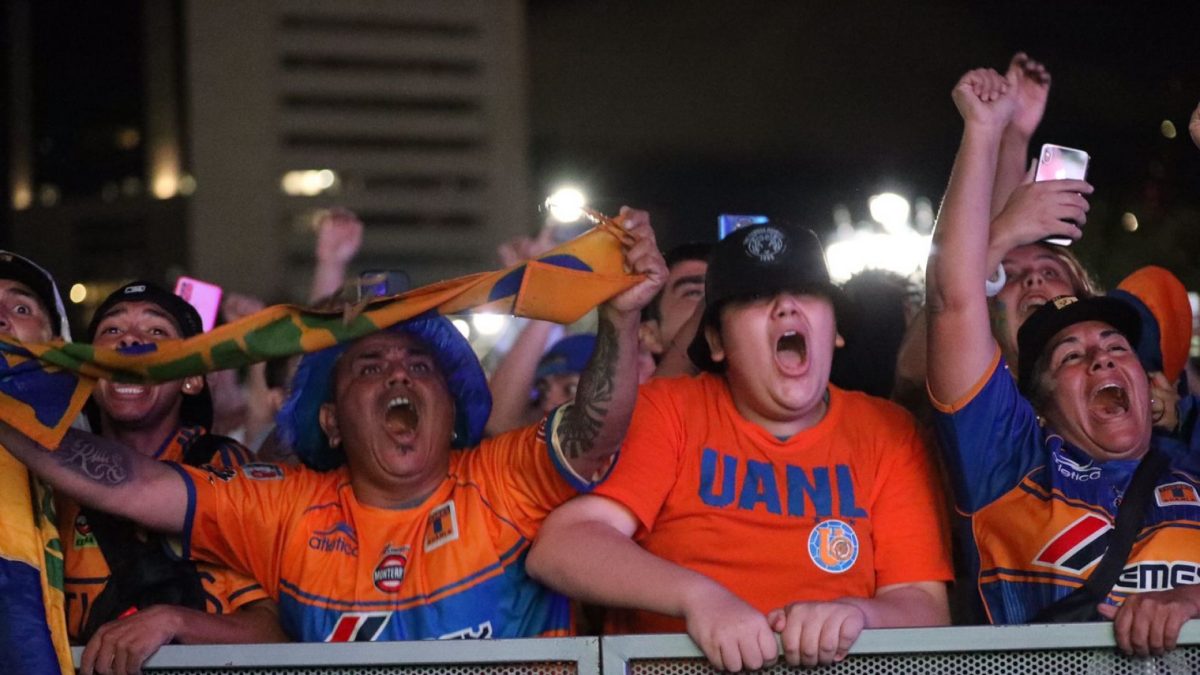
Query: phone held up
point(1057, 163)
point(728, 222)
point(205, 297)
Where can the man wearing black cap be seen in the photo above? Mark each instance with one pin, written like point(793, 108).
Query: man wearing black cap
point(108, 568)
point(756, 498)
point(1042, 466)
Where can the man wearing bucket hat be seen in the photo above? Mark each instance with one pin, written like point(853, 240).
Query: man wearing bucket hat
point(1043, 466)
point(757, 498)
point(125, 596)
point(400, 536)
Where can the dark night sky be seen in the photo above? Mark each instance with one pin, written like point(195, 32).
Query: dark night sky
point(690, 109)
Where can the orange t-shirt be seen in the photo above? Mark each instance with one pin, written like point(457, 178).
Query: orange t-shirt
point(840, 509)
point(86, 573)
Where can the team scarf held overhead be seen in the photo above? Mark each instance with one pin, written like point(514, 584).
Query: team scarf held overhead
point(44, 386)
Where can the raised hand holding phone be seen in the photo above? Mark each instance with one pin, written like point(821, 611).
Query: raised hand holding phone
point(1056, 162)
point(205, 297)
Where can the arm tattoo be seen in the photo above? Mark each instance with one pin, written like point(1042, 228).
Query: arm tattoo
point(583, 421)
point(94, 459)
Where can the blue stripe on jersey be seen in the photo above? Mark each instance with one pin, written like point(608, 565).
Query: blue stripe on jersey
point(185, 536)
point(509, 605)
point(505, 562)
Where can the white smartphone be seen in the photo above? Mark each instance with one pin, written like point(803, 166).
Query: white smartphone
point(1057, 162)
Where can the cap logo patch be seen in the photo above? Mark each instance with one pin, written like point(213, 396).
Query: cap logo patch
point(134, 289)
point(765, 244)
point(1065, 301)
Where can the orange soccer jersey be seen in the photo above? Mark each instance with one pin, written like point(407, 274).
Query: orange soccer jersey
point(86, 573)
point(840, 509)
point(342, 571)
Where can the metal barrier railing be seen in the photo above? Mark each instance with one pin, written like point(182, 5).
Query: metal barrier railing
point(973, 650)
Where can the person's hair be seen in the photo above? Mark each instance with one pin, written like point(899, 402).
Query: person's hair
point(1043, 384)
point(694, 250)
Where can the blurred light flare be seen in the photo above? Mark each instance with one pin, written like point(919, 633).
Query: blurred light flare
point(566, 204)
point(308, 183)
point(890, 210)
point(78, 293)
point(489, 324)
point(463, 327)
point(1129, 222)
point(1167, 128)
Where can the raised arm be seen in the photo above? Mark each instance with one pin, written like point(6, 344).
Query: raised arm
point(960, 340)
point(594, 423)
point(106, 475)
point(339, 236)
point(514, 377)
point(1032, 91)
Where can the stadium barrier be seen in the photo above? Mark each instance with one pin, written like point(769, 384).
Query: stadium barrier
point(974, 650)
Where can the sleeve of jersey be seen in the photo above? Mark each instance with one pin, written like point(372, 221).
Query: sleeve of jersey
point(990, 439)
point(649, 463)
point(227, 591)
point(911, 540)
point(237, 518)
point(523, 474)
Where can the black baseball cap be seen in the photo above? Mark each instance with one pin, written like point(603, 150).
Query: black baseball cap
point(197, 409)
point(755, 262)
point(1063, 312)
point(23, 270)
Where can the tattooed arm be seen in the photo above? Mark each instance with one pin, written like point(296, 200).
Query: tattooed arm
point(105, 475)
point(594, 424)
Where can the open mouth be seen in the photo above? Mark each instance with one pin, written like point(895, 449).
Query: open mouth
point(1030, 304)
point(401, 417)
point(1109, 401)
point(791, 351)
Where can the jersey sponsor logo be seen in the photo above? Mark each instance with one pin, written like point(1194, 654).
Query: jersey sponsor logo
point(760, 487)
point(1073, 470)
point(262, 471)
point(214, 472)
point(1157, 575)
point(340, 538)
point(442, 526)
point(833, 546)
point(1076, 546)
point(481, 632)
point(84, 537)
point(1176, 494)
point(358, 626)
point(765, 244)
point(389, 573)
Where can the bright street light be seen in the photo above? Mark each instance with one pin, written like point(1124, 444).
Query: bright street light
point(565, 204)
point(890, 210)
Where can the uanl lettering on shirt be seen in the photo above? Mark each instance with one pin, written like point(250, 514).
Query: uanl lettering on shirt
point(762, 485)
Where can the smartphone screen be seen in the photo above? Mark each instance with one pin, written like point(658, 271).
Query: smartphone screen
point(728, 222)
point(382, 283)
point(205, 297)
point(1057, 163)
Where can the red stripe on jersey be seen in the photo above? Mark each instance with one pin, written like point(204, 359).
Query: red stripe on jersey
point(1071, 538)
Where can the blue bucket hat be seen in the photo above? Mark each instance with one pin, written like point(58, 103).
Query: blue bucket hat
point(568, 355)
point(312, 386)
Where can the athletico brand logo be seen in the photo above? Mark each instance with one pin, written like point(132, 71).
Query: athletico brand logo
point(389, 573)
point(262, 471)
point(1076, 546)
point(1176, 494)
point(442, 527)
point(833, 546)
point(1075, 471)
point(765, 244)
point(1157, 575)
point(83, 533)
point(358, 627)
point(338, 539)
point(481, 632)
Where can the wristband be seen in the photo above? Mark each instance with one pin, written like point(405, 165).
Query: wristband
point(995, 284)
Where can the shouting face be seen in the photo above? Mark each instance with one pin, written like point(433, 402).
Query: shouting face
point(393, 415)
point(1097, 392)
point(1034, 277)
point(778, 352)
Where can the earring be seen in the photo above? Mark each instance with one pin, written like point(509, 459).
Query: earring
point(188, 387)
point(1157, 409)
point(453, 436)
